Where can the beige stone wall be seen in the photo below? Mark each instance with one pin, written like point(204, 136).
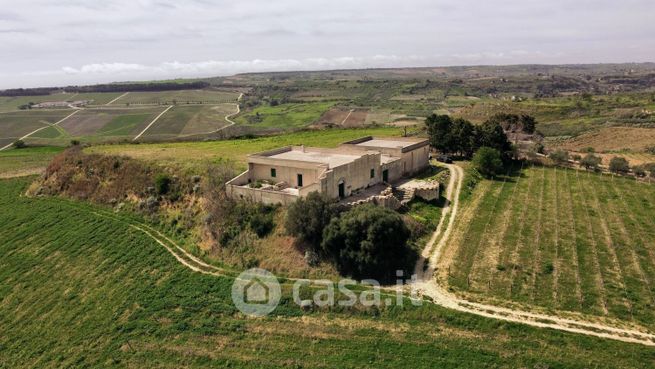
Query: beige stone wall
point(283, 173)
point(395, 169)
point(356, 175)
point(259, 195)
point(415, 160)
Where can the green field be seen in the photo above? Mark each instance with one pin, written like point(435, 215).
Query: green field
point(79, 289)
point(15, 125)
point(190, 154)
point(284, 116)
point(559, 239)
point(180, 97)
point(17, 161)
point(190, 120)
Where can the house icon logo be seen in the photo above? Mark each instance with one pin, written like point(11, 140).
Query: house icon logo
point(256, 292)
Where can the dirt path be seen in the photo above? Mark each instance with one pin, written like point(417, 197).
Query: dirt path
point(118, 98)
point(426, 283)
point(151, 123)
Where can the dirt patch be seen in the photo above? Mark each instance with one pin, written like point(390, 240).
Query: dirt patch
point(343, 117)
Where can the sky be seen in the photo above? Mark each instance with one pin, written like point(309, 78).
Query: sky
point(63, 42)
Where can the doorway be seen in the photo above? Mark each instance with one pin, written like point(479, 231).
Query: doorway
point(299, 180)
point(342, 189)
point(385, 175)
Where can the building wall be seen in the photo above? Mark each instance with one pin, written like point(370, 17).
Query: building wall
point(415, 160)
point(259, 195)
point(283, 173)
point(356, 175)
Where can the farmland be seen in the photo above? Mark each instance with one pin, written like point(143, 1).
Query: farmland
point(283, 117)
point(558, 239)
point(177, 97)
point(136, 305)
point(26, 161)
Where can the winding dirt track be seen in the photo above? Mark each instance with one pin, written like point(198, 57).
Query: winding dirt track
point(428, 286)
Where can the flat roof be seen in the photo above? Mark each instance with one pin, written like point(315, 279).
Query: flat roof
point(321, 157)
point(388, 143)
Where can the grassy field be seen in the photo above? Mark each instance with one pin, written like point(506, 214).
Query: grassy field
point(27, 160)
point(90, 291)
point(559, 239)
point(193, 120)
point(180, 97)
point(15, 125)
point(284, 116)
point(190, 154)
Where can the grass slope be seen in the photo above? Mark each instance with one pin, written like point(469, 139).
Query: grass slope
point(80, 290)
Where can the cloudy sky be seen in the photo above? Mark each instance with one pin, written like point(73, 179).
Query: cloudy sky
point(47, 42)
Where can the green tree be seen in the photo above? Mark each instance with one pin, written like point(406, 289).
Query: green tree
point(19, 144)
point(590, 162)
point(487, 161)
point(462, 137)
point(307, 218)
point(650, 168)
point(639, 170)
point(369, 242)
point(439, 132)
point(491, 134)
point(619, 165)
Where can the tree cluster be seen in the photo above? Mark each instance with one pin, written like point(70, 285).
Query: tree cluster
point(460, 137)
point(515, 123)
point(365, 242)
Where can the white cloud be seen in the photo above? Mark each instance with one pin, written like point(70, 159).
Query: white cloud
point(77, 41)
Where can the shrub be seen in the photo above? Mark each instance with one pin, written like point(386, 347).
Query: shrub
point(590, 162)
point(75, 142)
point(368, 242)
point(162, 184)
point(308, 217)
point(576, 157)
point(487, 161)
point(639, 170)
point(619, 165)
point(588, 150)
point(559, 156)
point(650, 150)
point(19, 144)
point(262, 223)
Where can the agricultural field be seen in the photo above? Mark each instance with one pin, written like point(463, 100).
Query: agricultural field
point(125, 301)
point(26, 161)
point(559, 239)
point(180, 97)
point(283, 117)
point(193, 154)
point(191, 120)
point(17, 124)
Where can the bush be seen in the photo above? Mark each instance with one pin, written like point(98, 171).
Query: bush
point(559, 156)
point(368, 242)
point(619, 165)
point(19, 144)
point(162, 184)
point(487, 161)
point(308, 217)
point(75, 142)
point(590, 162)
point(576, 157)
point(262, 223)
point(639, 170)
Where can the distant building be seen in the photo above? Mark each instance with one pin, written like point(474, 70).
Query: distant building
point(282, 175)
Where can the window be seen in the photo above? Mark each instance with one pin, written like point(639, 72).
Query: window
point(372, 173)
point(273, 173)
point(299, 180)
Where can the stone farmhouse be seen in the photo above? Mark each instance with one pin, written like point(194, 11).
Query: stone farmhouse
point(284, 174)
